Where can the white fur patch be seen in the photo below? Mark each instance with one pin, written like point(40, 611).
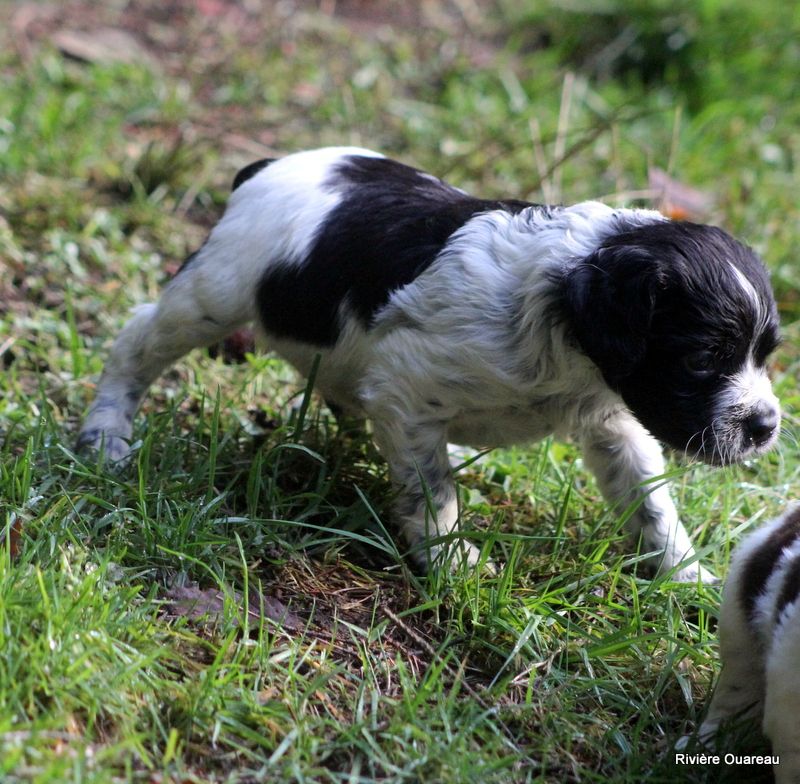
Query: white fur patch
point(746, 285)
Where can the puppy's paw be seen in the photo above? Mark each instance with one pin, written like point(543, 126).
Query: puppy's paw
point(693, 573)
point(469, 554)
point(703, 740)
point(108, 447)
point(455, 557)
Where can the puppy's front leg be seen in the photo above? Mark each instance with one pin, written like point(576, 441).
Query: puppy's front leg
point(415, 448)
point(740, 689)
point(623, 456)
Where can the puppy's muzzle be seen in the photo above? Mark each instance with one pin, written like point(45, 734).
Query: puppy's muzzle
point(761, 425)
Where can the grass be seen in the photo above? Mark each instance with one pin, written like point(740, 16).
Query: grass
point(233, 607)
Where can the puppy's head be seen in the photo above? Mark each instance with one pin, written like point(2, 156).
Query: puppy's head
point(680, 319)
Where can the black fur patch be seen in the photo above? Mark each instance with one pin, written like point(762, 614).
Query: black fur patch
point(760, 564)
point(391, 223)
point(250, 171)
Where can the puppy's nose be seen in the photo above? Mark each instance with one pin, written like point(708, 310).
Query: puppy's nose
point(762, 423)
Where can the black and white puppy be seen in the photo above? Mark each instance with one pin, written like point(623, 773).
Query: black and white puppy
point(759, 635)
point(446, 318)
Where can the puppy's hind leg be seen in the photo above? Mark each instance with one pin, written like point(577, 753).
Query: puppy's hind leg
point(415, 447)
point(198, 307)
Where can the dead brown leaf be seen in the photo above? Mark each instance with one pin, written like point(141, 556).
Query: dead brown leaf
point(678, 200)
point(104, 45)
point(13, 536)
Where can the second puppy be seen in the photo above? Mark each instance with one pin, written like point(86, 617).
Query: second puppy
point(759, 635)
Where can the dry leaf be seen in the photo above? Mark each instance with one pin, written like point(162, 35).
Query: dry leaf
point(106, 45)
point(678, 200)
point(12, 535)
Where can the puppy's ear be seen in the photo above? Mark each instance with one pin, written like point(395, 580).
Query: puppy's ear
point(610, 299)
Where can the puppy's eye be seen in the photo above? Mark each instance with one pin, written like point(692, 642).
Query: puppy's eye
point(701, 364)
